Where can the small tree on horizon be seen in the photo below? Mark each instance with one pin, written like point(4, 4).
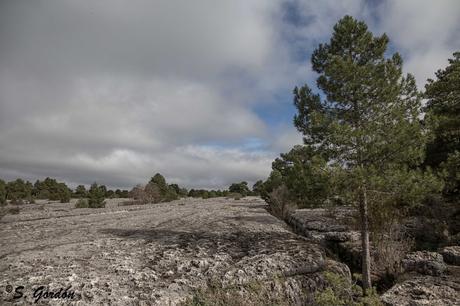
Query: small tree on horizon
point(367, 124)
point(96, 196)
point(2, 192)
point(80, 191)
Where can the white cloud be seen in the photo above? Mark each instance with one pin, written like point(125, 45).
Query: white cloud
point(110, 92)
point(425, 32)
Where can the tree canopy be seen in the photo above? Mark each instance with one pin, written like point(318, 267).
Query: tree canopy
point(367, 125)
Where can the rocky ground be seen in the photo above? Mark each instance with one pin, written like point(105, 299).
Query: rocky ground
point(154, 254)
point(427, 277)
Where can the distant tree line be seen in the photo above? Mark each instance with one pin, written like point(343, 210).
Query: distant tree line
point(155, 191)
point(20, 191)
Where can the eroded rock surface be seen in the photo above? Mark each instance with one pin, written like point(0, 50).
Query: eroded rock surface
point(154, 254)
point(424, 262)
point(332, 229)
point(451, 255)
point(424, 290)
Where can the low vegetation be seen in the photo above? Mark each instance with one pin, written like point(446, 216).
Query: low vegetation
point(340, 292)
point(253, 293)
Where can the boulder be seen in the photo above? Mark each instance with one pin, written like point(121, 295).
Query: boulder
point(424, 290)
point(451, 255)
point(424, 262)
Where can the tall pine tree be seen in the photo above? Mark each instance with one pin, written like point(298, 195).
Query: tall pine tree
point(444, 108)
point(367, 123)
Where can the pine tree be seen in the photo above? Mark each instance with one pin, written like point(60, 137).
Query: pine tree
point(367, 123)
point(96, 196)
point(2, 192)
point(443, 108)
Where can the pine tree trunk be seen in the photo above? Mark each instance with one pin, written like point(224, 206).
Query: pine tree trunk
point(365, 252)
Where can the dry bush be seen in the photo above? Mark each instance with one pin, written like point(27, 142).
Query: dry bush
point(149, 193)
point(152, 193)
point(391, 246)
point(280, 202)
point(138, 194)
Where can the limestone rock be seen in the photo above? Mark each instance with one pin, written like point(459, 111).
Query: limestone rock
point(424, 262)
point(424, 290)
point(451, 255)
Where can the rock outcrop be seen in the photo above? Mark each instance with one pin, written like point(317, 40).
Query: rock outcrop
point(424, 262)
point(425, 278)
point(158, 254)
point(424, 290)
point(451, 255)
point(332, 229)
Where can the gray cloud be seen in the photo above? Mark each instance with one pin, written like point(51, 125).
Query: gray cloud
point(113, 92)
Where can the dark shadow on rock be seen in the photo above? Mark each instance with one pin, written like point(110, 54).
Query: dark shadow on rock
point(237, 244)
point(263, 219)
point(251, 206)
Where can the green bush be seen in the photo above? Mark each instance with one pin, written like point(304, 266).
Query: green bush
point(18, 189)
point(82, 203)
point(51, 189)
point(2, 192)
point(341, 292)
point(241, 188)
point(96, 196)
point(235, 196)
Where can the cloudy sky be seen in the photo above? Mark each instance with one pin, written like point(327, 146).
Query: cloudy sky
point(114, 91)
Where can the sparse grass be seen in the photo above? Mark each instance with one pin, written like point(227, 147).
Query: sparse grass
point(253, 293)
point(341, 292)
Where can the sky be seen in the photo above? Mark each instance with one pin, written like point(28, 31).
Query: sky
point(200, 91)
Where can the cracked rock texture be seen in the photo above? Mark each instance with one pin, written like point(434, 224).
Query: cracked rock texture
point(154, 254)
point(424, 290)
point(424, 262)
point(451, 255)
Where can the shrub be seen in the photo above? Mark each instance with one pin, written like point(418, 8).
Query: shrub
point(391, 246)
point(82, 203)
point(340, 291)
point(14, 210)
point(2, 192)
point(80, 191)
point(96, 196)
point(16, 201)
point(280, 202)
point(152, 193)
point(253, 293)
point(18, 189)
point(241, 188)
point(235, 196)
point(51, 189)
